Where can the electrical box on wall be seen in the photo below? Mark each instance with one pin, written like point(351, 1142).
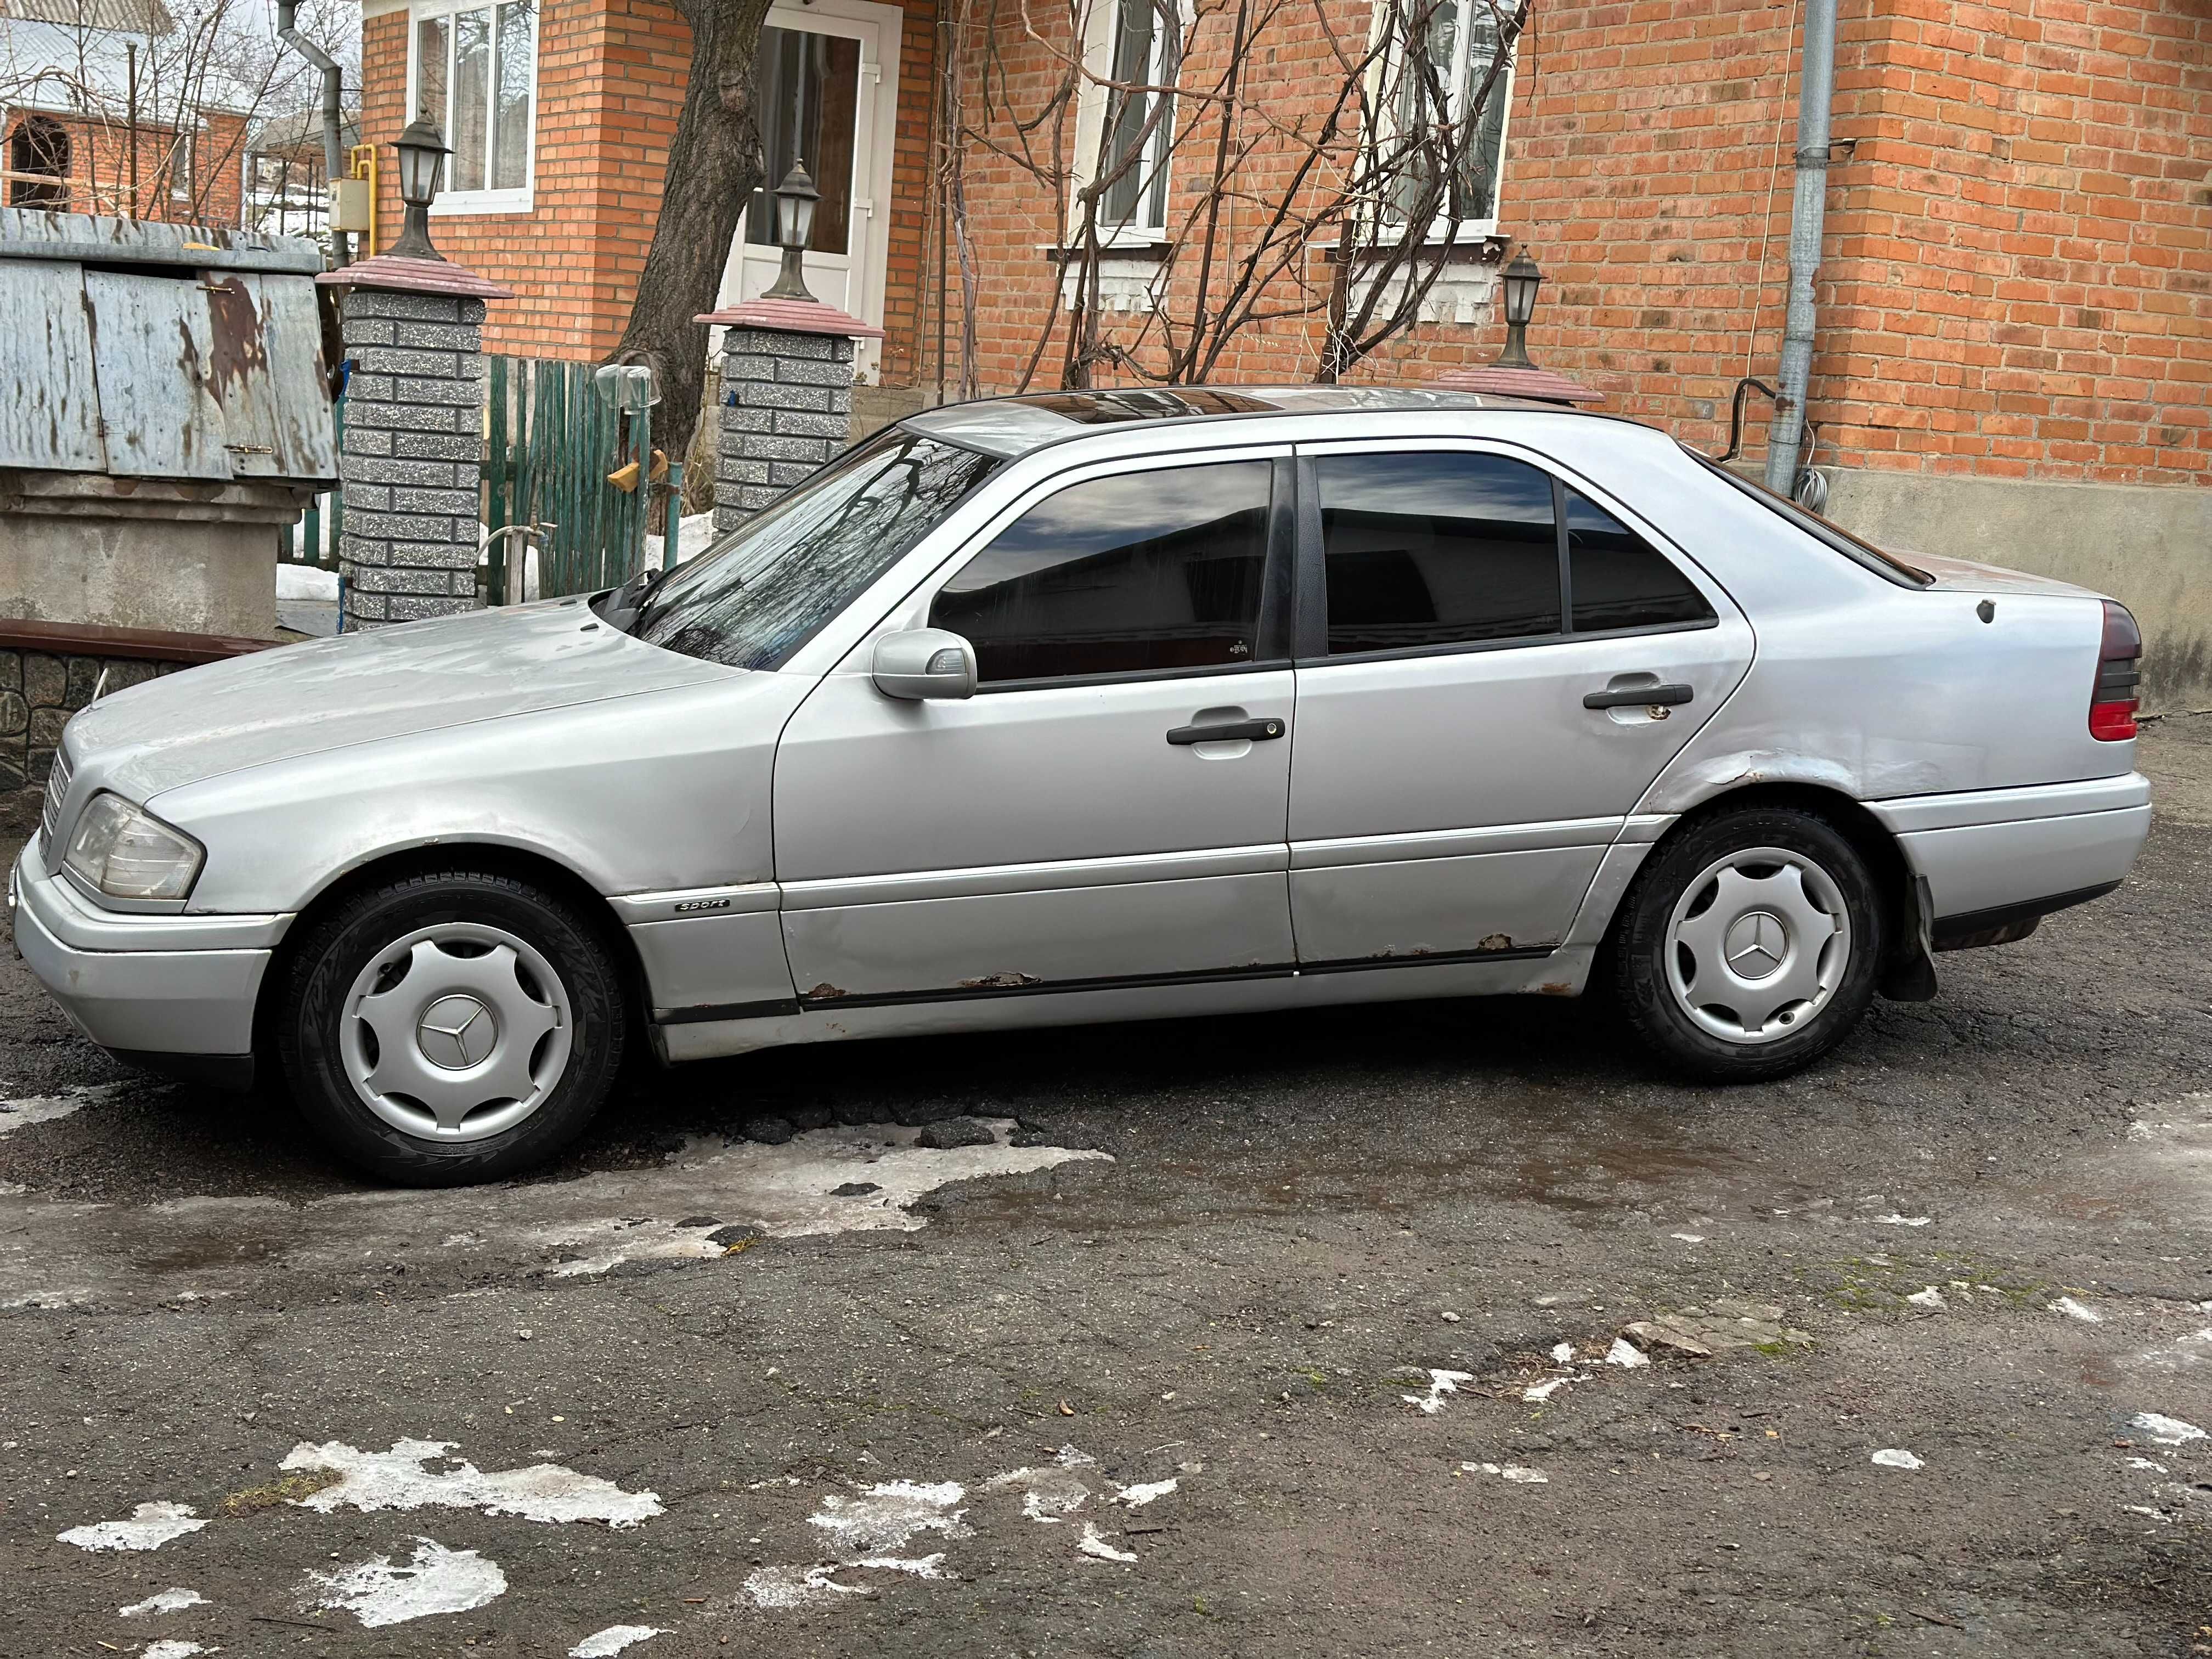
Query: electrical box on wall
point(349, 205)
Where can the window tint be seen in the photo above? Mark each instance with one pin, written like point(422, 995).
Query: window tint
point(1437, 550)
point(1621, 581)
point(1149, 570)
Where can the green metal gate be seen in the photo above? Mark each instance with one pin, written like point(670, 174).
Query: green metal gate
point(574, 472)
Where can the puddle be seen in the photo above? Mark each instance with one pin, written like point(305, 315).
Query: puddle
point(709, 1193)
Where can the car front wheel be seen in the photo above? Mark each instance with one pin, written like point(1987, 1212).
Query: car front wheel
point(452, 1026)
point(1748, 945)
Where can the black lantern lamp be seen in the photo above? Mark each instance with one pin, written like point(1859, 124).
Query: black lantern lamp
point(1520, 281)
point(422, 154)
point(794, 222)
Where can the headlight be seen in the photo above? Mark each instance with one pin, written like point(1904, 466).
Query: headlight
point(127, 853)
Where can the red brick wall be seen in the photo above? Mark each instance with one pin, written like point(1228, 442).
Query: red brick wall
point(2019, 248)
point(99, 168)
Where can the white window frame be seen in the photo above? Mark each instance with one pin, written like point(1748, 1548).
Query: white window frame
point(1445, 229)
point(511, 199)
point(1102, 28)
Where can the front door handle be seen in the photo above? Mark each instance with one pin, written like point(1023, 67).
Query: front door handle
point(1231, 732)
point(1636, 696)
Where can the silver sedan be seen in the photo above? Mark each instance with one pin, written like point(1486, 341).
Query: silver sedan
point(1096, 706)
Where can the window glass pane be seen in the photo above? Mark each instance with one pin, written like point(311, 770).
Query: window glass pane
point(765, 589)
point(517, 68)
point(1149, 570)
point(1475, 189)
point(430, 73)
point(1437, 550)
point(1137, 197)
point(471, 95)
point(1621, 581)
point(807, 89)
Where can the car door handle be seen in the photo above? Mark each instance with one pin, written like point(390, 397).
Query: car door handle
point(1636, 696)
point(1230, 731)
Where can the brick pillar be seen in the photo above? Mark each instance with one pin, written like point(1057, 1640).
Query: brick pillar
point(412, 465)
point(787, 398)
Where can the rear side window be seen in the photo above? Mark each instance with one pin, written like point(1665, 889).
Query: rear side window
point(1141, 573)
point(1435, 548)
point(1618, 579)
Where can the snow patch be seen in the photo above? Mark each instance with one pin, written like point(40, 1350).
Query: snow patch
point(167, 1601)
point(613, 1639)
point(1625, 1354)
point(305, 582)
point(1096, 1547)
point(2166, 1431)
point(1689, 1238)
point(23, 1112)
point(1519, 1475)
point(1440, 1383)
point(399, 1479)
point(1930, 1298)
point(150, 1526)
point(435, 1580)
point(886, 1516)
point(776, 1589)
point(169, 1648)
point(1893, 1219)
point(1892, 1457)
point(1538, 1392)
point(2073, 1309)
point(1137, 1497)
point(790, 1191)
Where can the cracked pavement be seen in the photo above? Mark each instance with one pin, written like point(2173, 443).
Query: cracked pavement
point(1992, 1215)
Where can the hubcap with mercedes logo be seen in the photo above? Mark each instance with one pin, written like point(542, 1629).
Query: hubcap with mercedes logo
point(456, 1032)
point(1756, 945)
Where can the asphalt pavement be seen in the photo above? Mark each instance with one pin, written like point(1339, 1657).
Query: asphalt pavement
point(1450, 1327)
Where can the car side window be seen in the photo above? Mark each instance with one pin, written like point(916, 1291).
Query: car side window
point(1430, 549)
point(1620, 580)
point(1138, 572)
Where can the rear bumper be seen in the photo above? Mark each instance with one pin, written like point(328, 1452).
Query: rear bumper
point(149, 988)
point(1995, 857)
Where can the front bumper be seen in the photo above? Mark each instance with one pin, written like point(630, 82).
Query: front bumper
point(148, 986)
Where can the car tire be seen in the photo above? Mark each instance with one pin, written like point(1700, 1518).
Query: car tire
point(452, 1026)
point(1749, 944)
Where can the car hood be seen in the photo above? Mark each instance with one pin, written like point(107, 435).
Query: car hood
point(328, 694)
point(1964, 576)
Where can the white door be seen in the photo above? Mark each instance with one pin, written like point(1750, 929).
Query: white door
point(826, 84)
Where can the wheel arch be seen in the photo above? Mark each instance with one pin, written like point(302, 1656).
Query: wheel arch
point(486, 857)
point(1909, 974)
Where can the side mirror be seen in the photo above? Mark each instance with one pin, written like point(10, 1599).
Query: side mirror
point(925, 662)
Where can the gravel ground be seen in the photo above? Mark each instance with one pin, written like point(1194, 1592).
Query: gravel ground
point(902, 1384)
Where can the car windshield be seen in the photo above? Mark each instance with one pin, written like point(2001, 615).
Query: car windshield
point(770, 585)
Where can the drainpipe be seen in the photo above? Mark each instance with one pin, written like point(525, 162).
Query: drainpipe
point(334, 160)
point(1808, 208)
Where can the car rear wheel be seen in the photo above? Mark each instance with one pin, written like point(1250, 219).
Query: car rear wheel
point(451, 1027)
point(1748, 945)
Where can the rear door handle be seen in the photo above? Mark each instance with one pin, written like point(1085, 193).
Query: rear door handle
point(1231, 732)
point(1636, 696)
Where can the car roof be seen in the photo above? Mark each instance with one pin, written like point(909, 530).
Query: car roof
point(1010, 427)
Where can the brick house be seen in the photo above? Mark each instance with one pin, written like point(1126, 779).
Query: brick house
point(89, 123)
point(2014, 360)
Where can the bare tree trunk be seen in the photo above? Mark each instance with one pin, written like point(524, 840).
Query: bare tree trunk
point(714, 168)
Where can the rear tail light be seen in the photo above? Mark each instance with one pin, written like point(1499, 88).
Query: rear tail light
point(2112, 704)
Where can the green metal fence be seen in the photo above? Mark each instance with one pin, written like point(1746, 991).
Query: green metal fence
point(315, 539)
point(564, 463)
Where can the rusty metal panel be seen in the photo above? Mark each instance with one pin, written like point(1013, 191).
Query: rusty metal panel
point(49, 409)
point(151, 347)
point(35, 234)
point(265, 369)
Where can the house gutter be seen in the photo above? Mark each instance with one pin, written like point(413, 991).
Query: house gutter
point(1816, 92)
point(334, 160)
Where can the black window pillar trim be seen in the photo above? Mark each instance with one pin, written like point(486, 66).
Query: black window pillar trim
point(1311, 634)
point(1276, 633)
point(1566, 564)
